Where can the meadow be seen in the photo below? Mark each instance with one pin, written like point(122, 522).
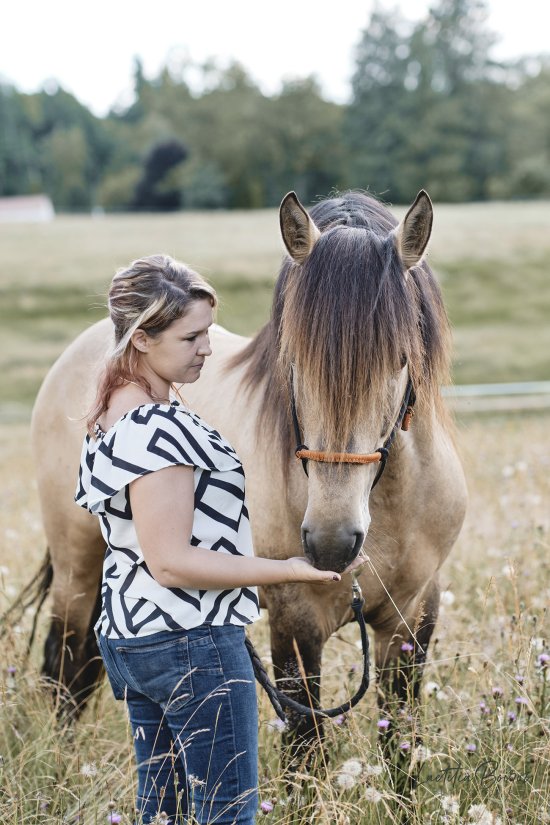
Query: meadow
point(485, 756)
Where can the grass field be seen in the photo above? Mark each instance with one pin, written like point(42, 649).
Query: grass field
point(491, 260)
point(485, 714)
point(485, 717)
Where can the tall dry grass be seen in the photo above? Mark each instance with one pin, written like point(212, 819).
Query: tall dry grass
point(484, 715)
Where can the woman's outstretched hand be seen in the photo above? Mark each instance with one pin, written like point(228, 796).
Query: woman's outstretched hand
point(301, 570)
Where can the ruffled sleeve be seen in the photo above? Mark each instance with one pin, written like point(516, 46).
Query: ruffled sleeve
point(149, 438)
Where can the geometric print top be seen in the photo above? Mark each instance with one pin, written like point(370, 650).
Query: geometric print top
point(148, 438)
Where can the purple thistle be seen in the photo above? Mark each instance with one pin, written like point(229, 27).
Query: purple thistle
point(511, 716)
point(12, 669)
point(405, 746)
point(519, 678)
point(339, 720)
point(497, 691)
point(407, 647)
point(543, 660)
point(383, 724)
point(114, 818)
point(266, 807)
point(471, 748)
point(521, 700)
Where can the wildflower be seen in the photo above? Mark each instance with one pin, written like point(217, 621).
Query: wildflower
point(543, 661)
point(407, 647)
point(383, 724)
point(511, 716)
point(441, 696)
point(471, 748)
point(88, 769)
point(521, 700)
point(352, 766)
point(373, 770)
point(372, 795)
point(346, 780)
point(450, 804)
point(497, 691)
point(161, 819)
point(481, 815)
point(421, 753)
point(405, 746)
point(266, 807)
point(431, 688)
point(12, 670)
point(113, 818)
point(519, 678)
point(447, 598)
point(484, 707)
point(340, 719)
point(276, 725)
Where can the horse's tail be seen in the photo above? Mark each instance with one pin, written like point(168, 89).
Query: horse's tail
point(34, 593)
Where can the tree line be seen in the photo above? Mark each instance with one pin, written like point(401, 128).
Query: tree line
point(429, 108)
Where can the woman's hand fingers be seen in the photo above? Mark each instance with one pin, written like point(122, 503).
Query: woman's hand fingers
point(357, 563)
point(301, 570)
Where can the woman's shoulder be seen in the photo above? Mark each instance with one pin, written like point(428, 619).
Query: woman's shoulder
point(123, 400)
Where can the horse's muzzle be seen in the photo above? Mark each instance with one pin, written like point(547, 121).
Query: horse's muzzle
point(333, 550)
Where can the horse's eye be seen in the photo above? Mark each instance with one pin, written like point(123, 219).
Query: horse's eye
point(403, 361)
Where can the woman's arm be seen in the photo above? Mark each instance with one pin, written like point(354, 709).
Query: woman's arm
point(162, 508)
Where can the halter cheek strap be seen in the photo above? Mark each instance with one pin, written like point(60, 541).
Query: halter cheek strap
point(378, 456)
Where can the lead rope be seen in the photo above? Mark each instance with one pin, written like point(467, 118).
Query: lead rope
point(281, 700)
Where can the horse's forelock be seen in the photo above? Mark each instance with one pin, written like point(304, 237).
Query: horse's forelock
point(349, 317)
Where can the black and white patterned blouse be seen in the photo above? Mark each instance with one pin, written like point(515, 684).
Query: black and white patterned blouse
point(149, 438)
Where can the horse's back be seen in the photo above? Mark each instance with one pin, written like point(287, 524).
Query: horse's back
point(58, 426)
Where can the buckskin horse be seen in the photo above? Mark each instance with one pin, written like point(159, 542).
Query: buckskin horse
point(357, 331)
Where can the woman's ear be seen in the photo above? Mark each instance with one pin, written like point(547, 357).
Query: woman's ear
point(141, 340)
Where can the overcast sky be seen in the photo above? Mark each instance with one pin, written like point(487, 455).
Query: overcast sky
point(89, 47)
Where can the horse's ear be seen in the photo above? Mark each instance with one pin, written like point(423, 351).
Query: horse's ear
point(413, 233)
point(298, 230)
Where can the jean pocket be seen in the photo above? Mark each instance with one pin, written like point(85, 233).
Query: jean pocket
point(117, 684)
point(159, 670)
point(204, 655)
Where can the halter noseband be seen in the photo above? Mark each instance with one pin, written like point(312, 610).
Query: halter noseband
point(380, 455)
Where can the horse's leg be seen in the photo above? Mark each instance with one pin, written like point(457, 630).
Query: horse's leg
point(400, 658)
point(71, 658)
point(297, 640)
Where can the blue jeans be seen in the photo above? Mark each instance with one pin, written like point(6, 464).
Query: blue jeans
point(191, 700)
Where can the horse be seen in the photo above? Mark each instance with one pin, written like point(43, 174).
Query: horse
point(357, 325)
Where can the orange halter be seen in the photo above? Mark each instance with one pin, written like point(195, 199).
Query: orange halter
point(304, 454)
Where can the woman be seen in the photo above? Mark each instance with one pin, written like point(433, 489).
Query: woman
point(179, 575)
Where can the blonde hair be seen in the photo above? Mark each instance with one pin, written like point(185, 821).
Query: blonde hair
point(149, 295)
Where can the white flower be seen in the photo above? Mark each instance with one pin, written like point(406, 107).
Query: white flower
point(372, 795)
point(538, 643)
point(421, 754)
point(450, 804)
point(373, 770)
point(481, 815)
point(88, 769)
point(352, 766)
point(277, 725)
point(447, 598)
point(430, 688)
point(346, 780)
point(441, 696)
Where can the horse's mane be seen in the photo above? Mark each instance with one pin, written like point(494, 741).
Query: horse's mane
point(347, 318)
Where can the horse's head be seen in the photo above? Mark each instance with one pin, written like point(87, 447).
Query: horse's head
point(355, 319)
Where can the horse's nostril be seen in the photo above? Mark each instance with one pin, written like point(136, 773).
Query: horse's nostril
point(308, 550)
point(359, 541)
